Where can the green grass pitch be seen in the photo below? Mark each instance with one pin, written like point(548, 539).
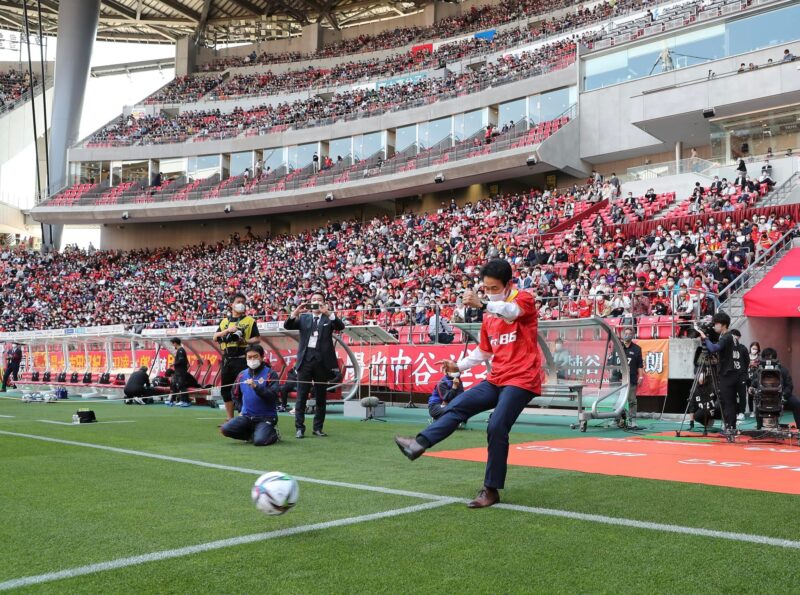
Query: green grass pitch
point(68, 506)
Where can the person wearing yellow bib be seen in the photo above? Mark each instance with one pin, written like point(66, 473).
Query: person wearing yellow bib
point(234, 334)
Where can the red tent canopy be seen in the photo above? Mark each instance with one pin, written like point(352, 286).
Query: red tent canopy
point(777, 295)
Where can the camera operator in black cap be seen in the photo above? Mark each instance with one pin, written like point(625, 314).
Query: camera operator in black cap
point(235, 333)
point(790, 400)
point(729, 369)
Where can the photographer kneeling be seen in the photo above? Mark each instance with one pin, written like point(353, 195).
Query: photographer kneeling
point(256, 389)
point(728, 369)
point(790, 400)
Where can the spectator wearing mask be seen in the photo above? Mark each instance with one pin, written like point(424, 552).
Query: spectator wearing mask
point(439, 329)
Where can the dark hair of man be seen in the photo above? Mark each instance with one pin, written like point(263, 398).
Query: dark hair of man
point(499, 269)
point(320, 294)
point(722, 318)
point(769, 353)
point(238, 295)
point(255, 348)
point(175, 341)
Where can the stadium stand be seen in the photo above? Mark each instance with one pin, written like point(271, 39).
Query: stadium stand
point(13, 86)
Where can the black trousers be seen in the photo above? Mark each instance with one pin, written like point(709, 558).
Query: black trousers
point(284, 391)
point(741, 397)
point(231, 368)
point(312, 370)
point(728, 391)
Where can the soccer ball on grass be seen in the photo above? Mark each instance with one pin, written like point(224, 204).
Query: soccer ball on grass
point(275, 493)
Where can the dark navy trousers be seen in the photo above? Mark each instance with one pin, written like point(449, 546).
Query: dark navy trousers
point(507, 402)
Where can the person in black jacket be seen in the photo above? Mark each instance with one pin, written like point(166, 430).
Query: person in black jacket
point(316, 358)
point(729, 367)
point(13, 361)
point(139, 387)
point(287, 387)
point(741, 390)
point(181, 380)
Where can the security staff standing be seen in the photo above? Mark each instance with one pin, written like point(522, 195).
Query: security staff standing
point(316, 358)
point(633, 354)
point(728, 369)
point(234, 334)
point(636, 370)
point(13, 361)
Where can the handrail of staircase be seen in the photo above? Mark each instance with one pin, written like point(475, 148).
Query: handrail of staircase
point(782, 191)
point(764, 259)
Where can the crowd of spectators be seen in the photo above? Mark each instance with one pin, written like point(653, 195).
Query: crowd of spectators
point(13, 85)
point(350, 103)
point(396, 271)
point(477, 19)
point(184, 89)
point(267, 83)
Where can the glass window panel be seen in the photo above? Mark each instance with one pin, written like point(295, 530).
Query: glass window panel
point(552, 104)
point(763, 30)
point(513, 111)
point(340, 147)
point(300, 156)
point(274, 158)
point(405, 137)
point(699, 46)
point(367, 145)
point(240, 161)
point(434, 132)
point(470, 123)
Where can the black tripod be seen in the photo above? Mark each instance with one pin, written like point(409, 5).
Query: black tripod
point(706, 372)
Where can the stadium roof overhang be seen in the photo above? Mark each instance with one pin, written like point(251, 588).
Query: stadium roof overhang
point(210, 21)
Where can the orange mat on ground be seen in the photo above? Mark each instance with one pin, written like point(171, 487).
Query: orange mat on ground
point(750, 465)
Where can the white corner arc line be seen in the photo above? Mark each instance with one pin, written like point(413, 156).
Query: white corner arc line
point(568, 514)
point(214, 545)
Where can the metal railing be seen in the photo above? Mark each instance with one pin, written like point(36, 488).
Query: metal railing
point(652, 171)
point(518, 136)
point(733, 295)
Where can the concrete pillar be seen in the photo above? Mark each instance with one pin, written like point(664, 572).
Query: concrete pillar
point(678, 156)
point(185, 56)
point(436, 11)
point(315, 36)
point(77, 27)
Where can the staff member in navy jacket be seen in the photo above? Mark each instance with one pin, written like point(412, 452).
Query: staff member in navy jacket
point(316, 358)
point(257, 390)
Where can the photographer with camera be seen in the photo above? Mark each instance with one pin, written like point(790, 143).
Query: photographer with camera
point(729, 366)
point(316, 358)
point(234, 335)
point(790, 400)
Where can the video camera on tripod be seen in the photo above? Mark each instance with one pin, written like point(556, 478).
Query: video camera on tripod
point(767, 393)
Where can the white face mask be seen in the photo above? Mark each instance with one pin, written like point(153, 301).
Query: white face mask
point(238, 308)
point(497, 297)
point(253, 363)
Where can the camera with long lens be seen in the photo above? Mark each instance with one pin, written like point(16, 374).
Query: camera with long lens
point(768, 394)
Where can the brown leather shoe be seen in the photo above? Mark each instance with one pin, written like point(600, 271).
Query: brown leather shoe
point(486, 497)
point(409, 447)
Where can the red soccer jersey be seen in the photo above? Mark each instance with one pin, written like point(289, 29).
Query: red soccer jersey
point(517, 360)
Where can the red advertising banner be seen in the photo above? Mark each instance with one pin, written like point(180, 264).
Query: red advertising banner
point(424, 47)
point(401, 368)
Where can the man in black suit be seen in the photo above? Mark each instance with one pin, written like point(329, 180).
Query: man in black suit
point(13, 361)
point(316, 358)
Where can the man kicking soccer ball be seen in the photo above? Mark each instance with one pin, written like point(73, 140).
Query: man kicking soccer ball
point(508, 338)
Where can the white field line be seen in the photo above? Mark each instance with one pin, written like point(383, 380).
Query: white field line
point(6, 416)
point(214, 545)
point(69, 423)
